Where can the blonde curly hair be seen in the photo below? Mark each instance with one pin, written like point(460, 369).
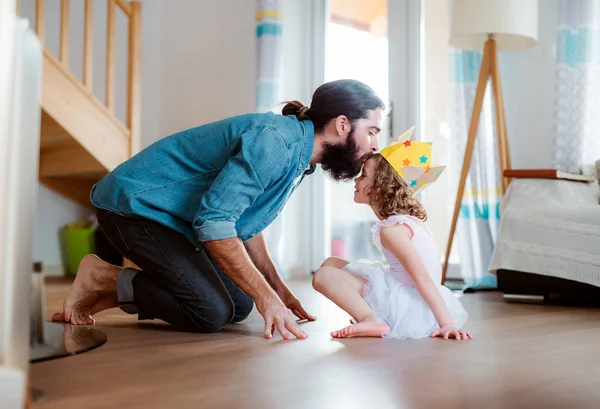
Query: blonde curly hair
point(391, 193)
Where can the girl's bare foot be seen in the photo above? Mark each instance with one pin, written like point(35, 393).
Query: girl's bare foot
point(93, 290)
point(367, 328)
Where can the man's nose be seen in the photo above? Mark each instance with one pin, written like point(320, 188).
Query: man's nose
point(374, 145)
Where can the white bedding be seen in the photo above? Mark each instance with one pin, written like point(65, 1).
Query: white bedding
point(552, 228)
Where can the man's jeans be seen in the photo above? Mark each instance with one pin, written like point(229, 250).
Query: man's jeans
point(178, 283)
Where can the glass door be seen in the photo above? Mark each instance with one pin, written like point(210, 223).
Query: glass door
point(356, 47)
point(400, 49)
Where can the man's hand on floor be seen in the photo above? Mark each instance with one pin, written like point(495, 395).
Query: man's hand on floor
point(277, 317)
point(293, 304)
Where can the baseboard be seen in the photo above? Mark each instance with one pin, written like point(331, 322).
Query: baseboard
point(54, 271)
point(298, 273)
point(453, 272)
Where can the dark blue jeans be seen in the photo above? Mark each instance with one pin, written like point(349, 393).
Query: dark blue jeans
point(178, 282)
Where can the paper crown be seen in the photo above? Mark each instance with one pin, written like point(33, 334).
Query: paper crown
point(412, 160)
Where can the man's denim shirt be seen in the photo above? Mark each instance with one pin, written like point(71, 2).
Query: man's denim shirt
point(225, 179)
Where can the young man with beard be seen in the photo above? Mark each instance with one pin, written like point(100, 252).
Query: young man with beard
point(189, 211)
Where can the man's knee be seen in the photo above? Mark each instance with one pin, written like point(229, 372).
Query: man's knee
point(243, 308)
point(210, 319)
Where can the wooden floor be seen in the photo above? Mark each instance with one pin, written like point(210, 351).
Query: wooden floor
point(522, 356)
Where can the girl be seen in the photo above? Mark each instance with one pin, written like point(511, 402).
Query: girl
point(404, 299)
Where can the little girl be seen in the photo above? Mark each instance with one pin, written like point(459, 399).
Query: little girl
point(404, 299)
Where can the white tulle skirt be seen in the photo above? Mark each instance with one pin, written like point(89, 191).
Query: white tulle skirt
point(400, 307)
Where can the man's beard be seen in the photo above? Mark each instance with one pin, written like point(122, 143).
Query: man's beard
point(341, 161)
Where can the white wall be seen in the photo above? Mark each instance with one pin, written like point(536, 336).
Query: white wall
point(528, 85)
point(152, 33)
point(54, 211)
point(207, 59)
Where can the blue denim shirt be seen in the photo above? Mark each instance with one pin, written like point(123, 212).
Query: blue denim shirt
point(225, 179)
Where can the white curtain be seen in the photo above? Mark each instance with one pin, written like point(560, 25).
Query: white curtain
point(268, 95)
point(577, 109)
point(479, 214)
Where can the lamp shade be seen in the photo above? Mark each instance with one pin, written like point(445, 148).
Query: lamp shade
point(514, 23)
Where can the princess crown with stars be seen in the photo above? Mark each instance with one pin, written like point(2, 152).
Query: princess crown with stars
point(412, 160)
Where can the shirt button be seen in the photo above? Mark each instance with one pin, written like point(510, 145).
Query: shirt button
point(197, 249)
point(252, 235)
point(277, 214)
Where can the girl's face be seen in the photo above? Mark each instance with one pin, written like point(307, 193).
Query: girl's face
point(362, 184)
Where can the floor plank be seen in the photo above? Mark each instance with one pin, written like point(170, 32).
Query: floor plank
point(522, 356)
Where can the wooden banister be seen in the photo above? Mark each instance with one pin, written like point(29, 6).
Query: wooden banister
point(65, 12)
point(110, 57)
point(125, 6)
point(88, 44)
point(134, 76)
point(40, 20)
point(133, 12)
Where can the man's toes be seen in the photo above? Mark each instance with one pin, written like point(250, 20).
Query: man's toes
point(86, 320)
point(81, 318)
point(59, 316)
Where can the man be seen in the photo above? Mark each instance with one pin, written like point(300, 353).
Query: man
point(189, 211)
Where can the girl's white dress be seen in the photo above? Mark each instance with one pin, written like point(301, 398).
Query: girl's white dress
point(392, 293)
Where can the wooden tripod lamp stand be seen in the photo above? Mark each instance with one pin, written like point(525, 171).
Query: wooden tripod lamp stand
point(494, 25)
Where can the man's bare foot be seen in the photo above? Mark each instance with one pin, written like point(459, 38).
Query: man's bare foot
point(93, 290)
point(369, 328)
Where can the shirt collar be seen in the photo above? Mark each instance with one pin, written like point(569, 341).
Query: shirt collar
point(307, 147)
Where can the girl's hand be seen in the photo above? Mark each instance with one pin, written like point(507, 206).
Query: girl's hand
point(449, 332)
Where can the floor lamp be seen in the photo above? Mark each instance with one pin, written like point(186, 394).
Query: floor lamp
point(491, 25)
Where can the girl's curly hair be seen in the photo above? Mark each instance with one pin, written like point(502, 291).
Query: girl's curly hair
point(389, 191)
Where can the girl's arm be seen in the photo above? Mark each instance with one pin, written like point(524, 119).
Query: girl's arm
point(397, 239)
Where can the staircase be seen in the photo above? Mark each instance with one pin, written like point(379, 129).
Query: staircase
point(81, 138)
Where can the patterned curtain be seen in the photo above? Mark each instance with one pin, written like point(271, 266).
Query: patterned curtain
point(269, 59)
point(577, 109)
point(268, 95)
point(480, 209)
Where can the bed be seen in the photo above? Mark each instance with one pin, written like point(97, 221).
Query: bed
point(548, 243)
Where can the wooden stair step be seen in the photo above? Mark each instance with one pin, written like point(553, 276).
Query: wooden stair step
point(75, 188)
point(72, 161)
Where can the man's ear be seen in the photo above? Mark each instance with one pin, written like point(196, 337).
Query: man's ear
point(343, 126)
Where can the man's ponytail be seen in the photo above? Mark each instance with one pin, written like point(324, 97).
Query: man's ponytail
point(296, 108)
